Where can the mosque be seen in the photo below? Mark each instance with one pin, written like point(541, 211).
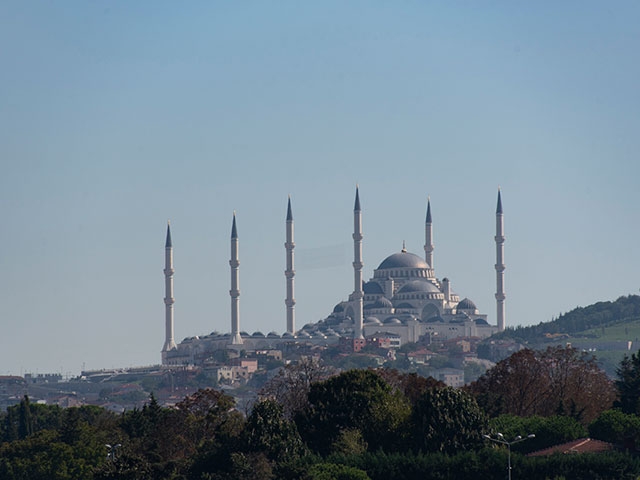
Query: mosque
point(404, 300)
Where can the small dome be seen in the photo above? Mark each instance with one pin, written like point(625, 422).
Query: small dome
point(244, 334)
point(466, 304)
point(403, 260)
point(418, 286)
point(383, 302)
point(405, 305)
point(273, 335)
point(436, 319)
point(287, 335)
point(393, 321)
point(258, 334)
point(372, 288)
point(339, 308)
point(481, 322)
point(373, 321)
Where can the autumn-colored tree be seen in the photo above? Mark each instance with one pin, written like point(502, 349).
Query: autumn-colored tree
point(556, 381)
point(411, 384)
point(291, 385)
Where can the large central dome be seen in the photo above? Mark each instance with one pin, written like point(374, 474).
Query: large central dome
point(403, 260)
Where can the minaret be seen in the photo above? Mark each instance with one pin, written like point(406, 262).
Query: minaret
point(290, 272)
point(236, 339)
point(500, 295)
point(169, 343)
point(358, 294)
point(428, 236)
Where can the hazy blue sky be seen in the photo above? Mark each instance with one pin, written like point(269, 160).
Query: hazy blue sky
point(116, 116)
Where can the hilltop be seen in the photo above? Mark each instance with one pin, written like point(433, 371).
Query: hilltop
point(609, 329)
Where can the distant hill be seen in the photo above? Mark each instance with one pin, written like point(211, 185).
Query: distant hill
point(608, 329)
point(579, 320)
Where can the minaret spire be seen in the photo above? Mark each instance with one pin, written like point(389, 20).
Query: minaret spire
point(358, 294)
point(428, 236)
point(236, 339)
point(500, 266)
point(169, 343)
point(290, 272)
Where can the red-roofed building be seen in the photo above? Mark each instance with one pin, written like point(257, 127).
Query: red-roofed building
point(582, 445)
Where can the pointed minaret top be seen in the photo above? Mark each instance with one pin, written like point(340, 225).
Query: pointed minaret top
point(234, 231)
point(499, 207)
point(168, 244)
point(289, 214)
point(428, 210)
point(356, 208)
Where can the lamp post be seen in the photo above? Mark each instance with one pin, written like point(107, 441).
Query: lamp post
point(502, 440)
point(111, 451)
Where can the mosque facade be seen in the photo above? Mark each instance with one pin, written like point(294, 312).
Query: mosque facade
point(404, 300)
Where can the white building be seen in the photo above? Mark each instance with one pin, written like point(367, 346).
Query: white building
point(404, 298)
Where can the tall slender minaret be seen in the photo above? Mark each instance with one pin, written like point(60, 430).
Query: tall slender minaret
point(428, 236)
point(358, 294)
point(236, 339)
point(169, 343)
point(500, 295)
point(290, 272)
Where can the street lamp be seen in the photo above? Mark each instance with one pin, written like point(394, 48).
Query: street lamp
point(501, 440)
point(111, 451)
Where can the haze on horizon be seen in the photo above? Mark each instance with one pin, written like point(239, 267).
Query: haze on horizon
point(115, 117)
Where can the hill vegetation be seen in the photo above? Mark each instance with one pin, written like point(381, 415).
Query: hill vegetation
point(580, 321)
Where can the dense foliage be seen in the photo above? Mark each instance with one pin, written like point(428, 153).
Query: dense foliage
point(628, 384)
point(558, 380)
point(356, 425)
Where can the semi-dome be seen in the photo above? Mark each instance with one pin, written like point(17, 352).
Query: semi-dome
point(403, 260)
point(419, 286)
point(466, 304)
point(372, 288)
point(382, 302)
point(405, 305)
point(373, 320)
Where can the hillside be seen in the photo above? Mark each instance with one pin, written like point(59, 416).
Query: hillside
point(608, 329)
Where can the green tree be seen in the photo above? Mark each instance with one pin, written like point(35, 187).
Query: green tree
point(356, 399)
point(447, 420)
point(628, 384)
point(548, 431)
point(268, 431)
point(617, 427)
point(332, 471)
point(25, 422)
